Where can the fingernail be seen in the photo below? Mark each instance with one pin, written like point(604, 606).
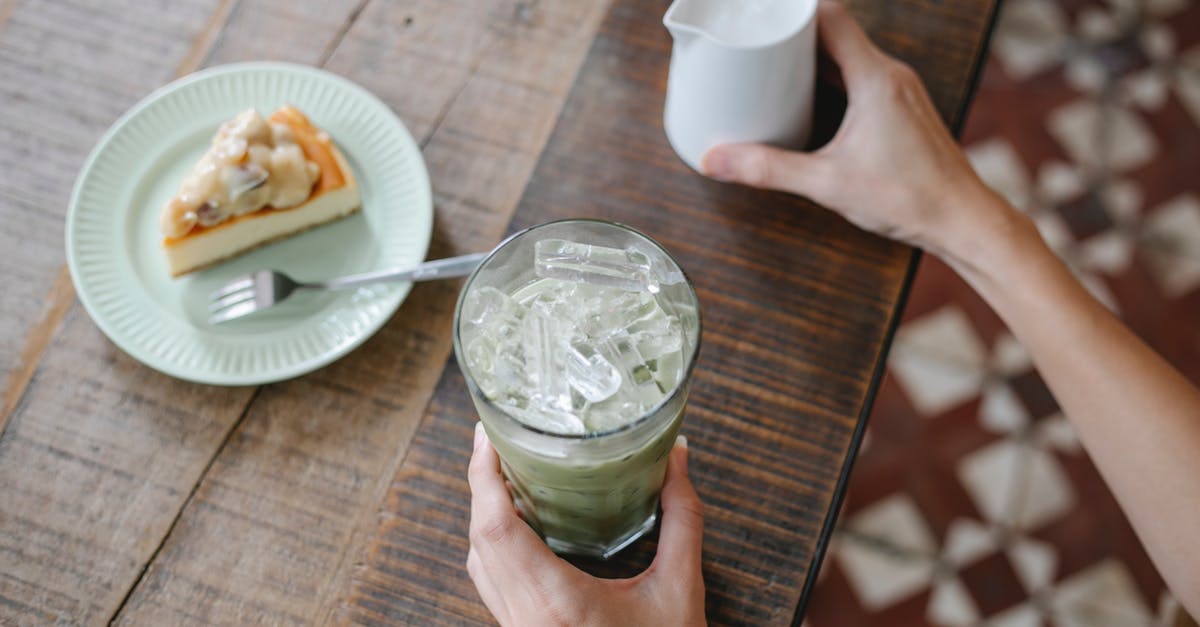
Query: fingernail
point(480, 436)
point(681, 440)
point(717, 164)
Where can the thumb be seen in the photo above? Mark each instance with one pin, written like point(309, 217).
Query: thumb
point(759, 165)
point(682, 531)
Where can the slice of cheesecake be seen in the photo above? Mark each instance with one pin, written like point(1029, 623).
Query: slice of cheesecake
point(260, 181)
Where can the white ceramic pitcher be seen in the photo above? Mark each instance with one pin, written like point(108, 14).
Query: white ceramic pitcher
point(741, 71)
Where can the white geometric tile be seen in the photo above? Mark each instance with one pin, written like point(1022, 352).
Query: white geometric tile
point(999, 166)
point(1147, 89)
point(880, 579)
point(1009, 356)
point(1103, 595)
point(1113, 139)
point(1034, 562)
point(1059, 182)
point(1110, 252)
point(1031, 36)
point(939, 360)
point(896, 521)
point(990, 476)
point(1086, 74)
point(1056, 432)
point(1122, 200)
point(1158, 42)
point(967, 541)
point(1023, 615)
point(1097, 25)
point(1000, 411)
point(878, 576)
point(951, 604)
point(1172, 245)
point(1045, 492)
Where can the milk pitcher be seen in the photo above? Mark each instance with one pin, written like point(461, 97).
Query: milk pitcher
point(741, 71)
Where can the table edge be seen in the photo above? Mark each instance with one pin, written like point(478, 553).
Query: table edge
point(839, 492)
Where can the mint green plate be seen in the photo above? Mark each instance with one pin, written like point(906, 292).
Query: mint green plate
point(113, 241)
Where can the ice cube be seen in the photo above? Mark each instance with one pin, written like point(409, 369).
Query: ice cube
point(512, 377)
point(572, 356)
point(547, 419)
point(480, 358)
point(668, 370)
point(658, 337)
point(589, 373)
point(639, 385)
point(627, 269)
point(610, 415)
point(621, 310)
point(483, 304)
point(542, 339)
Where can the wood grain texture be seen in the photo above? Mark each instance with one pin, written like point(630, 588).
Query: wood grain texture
point(67, 70)
point(302, 31)
point(340, 496)
point(58, 300)
point(98, 453)
point(94, 465)
point(276, 525)
point(797, 306)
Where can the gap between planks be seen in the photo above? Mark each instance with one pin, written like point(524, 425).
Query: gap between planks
point(202, 48)
point(61, 296)
point(6, 10)
point(341, 33)
point(361, 531)
point(57, 302)
point(206, 41)
point(179, 512)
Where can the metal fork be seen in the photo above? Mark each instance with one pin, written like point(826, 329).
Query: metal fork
point(266, 288)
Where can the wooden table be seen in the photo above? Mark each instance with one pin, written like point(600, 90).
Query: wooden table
point(340, 496)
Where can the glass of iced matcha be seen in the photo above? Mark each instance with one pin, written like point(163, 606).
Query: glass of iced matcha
point(577, 340)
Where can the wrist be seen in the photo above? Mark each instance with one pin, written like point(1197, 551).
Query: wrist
point(983, 234)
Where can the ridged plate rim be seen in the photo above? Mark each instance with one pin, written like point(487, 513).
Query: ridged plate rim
point(397, 210)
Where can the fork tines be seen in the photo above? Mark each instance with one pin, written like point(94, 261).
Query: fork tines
point(234, 300)
point(236, 285)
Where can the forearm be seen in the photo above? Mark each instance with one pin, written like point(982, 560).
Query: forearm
point(1137, 416)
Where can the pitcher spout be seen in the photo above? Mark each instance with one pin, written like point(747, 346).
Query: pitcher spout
point(681, 22)
point(738, 24)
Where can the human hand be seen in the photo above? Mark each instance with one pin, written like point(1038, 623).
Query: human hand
point(523, 583)
point(892, 168)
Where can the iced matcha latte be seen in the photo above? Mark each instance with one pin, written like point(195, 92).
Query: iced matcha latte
point(577, 339)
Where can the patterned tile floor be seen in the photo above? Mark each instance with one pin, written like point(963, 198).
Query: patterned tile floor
point(972, 502)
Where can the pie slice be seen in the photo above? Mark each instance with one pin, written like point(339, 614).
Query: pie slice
point(260, 181)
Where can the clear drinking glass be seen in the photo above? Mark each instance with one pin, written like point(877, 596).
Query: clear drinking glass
point(577, 339)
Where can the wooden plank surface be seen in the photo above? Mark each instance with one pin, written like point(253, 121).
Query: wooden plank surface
point(125, 494)
point(797, 307)
point(97, 452)
point(67, 70)
point(340, 496)
point(289, 497)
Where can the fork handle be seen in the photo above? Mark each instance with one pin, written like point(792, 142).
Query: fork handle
point(437, 269)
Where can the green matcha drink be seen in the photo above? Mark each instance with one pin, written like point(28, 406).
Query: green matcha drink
point(577, 340)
